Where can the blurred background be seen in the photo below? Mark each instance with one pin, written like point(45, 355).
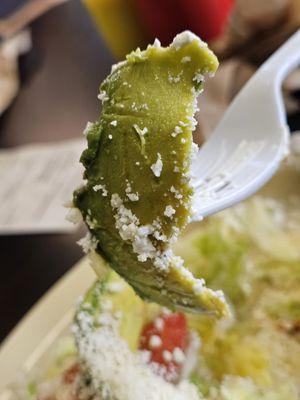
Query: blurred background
point(53, 56)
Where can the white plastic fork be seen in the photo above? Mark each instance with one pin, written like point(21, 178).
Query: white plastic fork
point(249, 143)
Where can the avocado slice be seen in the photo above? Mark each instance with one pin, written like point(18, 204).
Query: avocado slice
point(137, 195)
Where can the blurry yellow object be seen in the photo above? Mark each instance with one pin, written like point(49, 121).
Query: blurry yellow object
point(118, 23)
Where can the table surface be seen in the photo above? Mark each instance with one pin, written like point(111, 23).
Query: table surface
point(60, 79)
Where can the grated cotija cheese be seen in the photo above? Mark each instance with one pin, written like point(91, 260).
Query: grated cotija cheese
point(169, 211)
point(88, 128)
point(74, 215)
point(115, 371)
point(88, 243)
point(184, 38)
point(96, 188)
point(157, 166)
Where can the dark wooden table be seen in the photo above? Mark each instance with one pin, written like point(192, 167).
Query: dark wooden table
point(60, 79)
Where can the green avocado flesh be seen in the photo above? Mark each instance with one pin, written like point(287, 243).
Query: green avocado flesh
point(137, 196)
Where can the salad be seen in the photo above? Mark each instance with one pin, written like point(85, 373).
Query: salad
point(154, 325)
point(121, 343)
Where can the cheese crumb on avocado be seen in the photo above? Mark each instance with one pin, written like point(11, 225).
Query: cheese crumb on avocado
point(151, 119)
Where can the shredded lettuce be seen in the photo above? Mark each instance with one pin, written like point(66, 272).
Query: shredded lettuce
point(252, 251)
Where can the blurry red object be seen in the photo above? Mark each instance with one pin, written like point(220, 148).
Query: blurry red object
point(165, 18)
point(172, 333)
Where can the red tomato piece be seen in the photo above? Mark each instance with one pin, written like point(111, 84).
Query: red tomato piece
point(166, 338)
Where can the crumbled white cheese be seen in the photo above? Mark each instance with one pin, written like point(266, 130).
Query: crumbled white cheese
point(115, 287)
point(145, 356)
point(88, 128)
point(110, 137)
point(102, 96)
point(159, 323)
point(175, 78)
point(118, 373)
point(88, 243)
point(105, 319)
point(139, 107)
point(159, 236)
point(194, 151)
point(116, 66)
point(155, 342)
point(185, 59)
point(116, 201)
point(133, 196)
point(129, 194)
point(161, 370)
point(166, 311)
point(96, 188)
point(177, 131)
point(184, 38)
point(167, 356)
point(169, 211)
point(176, 192)
point(199, 78)
point(114, 123)
point(193, 122)
point(157, 166)
point(178, 355)
point(176, 231)
point(74, 215)
point(128, 187)
point(91, 222)
point(182, 140)
point(156, 43)
point(128, 226)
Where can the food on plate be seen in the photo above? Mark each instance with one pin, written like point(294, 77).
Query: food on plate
point(137, 194)
point(126, 348)
point(125, 343)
